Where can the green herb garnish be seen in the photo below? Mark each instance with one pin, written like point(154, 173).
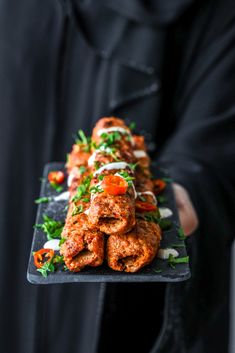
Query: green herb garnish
point(82, 139)
point(172, 261)
point(57, 259)
point(62, 240)
point(82, 170)
point(86, 199)
point(133, 166)
point(46, 267)
point(77, 210)
point(168, 180)
point(101, 177)
point(127, 177)
point(82, 189)
point(142, 198)
point(161, 199)
point(52, 228)
point(42, 200)
point(96, 188)
point(56, 187)
point(181, 234)
point(165, 224)
point(157, 270)
point(132, 125)
point(177, 245)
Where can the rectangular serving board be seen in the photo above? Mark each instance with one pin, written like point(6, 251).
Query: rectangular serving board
point(158, 271)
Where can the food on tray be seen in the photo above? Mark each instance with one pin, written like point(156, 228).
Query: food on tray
point(112, 208)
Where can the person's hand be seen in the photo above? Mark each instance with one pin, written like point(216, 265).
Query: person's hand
point(187, 214)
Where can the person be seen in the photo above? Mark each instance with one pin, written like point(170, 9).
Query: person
point(168, 66)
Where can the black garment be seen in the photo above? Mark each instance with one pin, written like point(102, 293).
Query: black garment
point(170, 68)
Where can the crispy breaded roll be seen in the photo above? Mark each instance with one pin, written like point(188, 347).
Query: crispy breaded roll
point(83, 246)
point(131, 251)
point(112, 214)
point(77, 157)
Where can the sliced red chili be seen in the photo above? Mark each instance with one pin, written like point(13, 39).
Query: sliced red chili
point(142, 206)
point(56, 177)
point(159, 186)
point(43, 256)
point(114, 185)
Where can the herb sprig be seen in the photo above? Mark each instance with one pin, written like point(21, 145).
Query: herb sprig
point(172, 261)
point(51, 227)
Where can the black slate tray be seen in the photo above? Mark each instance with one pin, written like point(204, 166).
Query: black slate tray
point(103, 273)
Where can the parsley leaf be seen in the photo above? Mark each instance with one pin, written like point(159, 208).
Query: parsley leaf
point(82, 189)
point(167, 180)
point(125, 175)
point(132, 125)
point(172, 261)
point(165, 224)
point(52, 228)
point(161, 199)
point(82, 170)
point(57, 187)
point(157, 270)
point(181, 234)
point(46, 267)
point(42, 200)
point(96, 188)
point(62, 240)
point(77, 210)
point(82, 139)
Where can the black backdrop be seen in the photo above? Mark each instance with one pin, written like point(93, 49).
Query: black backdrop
point(169, 66)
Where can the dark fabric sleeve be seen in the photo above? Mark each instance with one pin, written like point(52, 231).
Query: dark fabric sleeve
point(200, 154)
point(201, 151)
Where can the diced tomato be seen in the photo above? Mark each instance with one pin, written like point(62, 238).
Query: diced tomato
point(56, 177)
point(41, 255)
point(114, 185)
point(159, 186)
point(142, 206)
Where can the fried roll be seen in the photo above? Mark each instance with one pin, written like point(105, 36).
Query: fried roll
point(131, 251)
point(83, 246)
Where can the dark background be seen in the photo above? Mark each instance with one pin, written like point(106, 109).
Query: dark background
point(169, 66)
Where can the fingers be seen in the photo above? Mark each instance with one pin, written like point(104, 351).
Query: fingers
point(187, 213)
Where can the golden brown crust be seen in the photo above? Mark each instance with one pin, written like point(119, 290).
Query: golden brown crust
point(112, 214)
point(131, 251)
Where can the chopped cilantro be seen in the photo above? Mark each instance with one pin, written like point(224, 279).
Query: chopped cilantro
point(133, 166)
point(165, 224)
point(77, 210)
point(52, 228)
point(125, 175)
point(57, 187)
point(62, 240)
point(82, 139)
point(181, 234)
point(132, 125)
point(167, 180)
point(57, 259)
point(82, 169)
point(172, 261)
point(142, 198)
point(83, 188)
point(177, 245)
point(157, 270)
point(161, 199)
point(101, 177)
point(42, 200)
point(96, 188)
point(46, 267)
point(86, 199)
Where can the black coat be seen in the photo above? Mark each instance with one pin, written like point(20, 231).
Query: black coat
point(169, 66)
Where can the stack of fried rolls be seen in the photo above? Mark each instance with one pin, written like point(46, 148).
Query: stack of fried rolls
point(101, 224)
